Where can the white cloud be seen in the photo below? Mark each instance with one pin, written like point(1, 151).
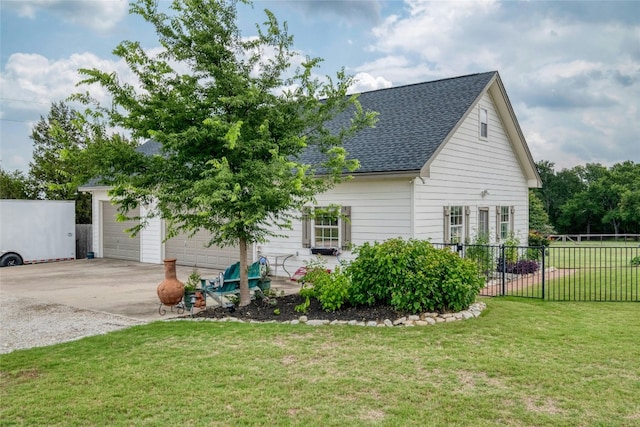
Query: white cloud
point(574, 82)
point(30, 83)
point(100, 15)
point(364, 82)
point(32, 77)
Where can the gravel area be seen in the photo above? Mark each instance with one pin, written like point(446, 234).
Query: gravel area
point(26, 323)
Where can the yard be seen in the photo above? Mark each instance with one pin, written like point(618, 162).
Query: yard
point(523, 362)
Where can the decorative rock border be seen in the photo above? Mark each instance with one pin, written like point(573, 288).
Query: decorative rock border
point(425, 319)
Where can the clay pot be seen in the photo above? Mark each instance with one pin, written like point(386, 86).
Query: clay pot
point(170, 290)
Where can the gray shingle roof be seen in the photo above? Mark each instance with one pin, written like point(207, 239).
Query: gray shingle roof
point(413, 121)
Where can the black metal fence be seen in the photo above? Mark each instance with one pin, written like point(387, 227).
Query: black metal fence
point(558, 273)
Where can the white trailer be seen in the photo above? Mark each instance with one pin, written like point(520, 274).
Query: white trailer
point(33, 231)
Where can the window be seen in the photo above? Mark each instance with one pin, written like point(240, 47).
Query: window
point(326, 227)
point(484, 123)
point(483, 223)
point(326, 233)
point(504, 222)
point(456, 224)
point(455, 219)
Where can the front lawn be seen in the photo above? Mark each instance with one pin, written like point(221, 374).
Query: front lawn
point(529, 363)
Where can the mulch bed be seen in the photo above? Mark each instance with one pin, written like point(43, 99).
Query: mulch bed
point(265, 310)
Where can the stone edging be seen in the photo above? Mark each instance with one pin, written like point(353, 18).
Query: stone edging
point(425, 319)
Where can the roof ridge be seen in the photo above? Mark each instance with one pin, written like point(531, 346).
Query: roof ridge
point(428, 82)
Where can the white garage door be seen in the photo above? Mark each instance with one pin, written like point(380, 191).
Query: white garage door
point(193, 252)
point(116, 243)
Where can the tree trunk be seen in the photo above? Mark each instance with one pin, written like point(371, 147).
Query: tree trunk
point(245, 296)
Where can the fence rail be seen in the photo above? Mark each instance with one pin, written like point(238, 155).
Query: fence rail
point(558, 273)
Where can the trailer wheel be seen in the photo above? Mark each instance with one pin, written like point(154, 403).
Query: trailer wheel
point(9, 260)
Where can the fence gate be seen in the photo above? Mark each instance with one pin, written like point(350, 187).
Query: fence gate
point(84, 240)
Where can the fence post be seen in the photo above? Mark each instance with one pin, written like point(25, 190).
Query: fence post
point(544, 253)
point(504, 271)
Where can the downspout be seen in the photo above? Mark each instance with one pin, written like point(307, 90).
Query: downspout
point(412, 208)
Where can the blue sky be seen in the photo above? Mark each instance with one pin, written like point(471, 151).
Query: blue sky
point(571, 68)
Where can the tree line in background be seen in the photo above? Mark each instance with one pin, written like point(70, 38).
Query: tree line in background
point(590, 199)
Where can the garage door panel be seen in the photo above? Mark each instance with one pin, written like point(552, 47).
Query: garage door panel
point(117, 243)
point(193, 252)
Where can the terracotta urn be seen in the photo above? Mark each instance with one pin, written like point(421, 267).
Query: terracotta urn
point(170, 290)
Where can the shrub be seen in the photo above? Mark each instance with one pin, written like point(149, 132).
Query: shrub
point(413, 276)
point(331, 289)
point(536, 241)
point(523, 266)
point(511, 249)
point(376, 270)
point(635, 260)
point(480, 252)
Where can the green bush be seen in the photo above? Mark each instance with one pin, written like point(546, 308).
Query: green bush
point(480, 252)
point(378, 269)
point(511, 249)
point(331, 289)
point(536, 240)
point(413, 276)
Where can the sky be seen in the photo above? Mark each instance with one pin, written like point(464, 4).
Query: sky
point(571, 68)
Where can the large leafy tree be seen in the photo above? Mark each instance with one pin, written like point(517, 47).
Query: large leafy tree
point(233, 118)
point(558, 188)
point(607, 203)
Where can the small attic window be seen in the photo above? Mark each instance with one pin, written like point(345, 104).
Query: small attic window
point(484, 123)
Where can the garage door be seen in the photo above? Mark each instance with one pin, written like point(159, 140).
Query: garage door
point(116, 243)
point(192, 252)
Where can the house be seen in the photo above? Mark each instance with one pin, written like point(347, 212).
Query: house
point(447, 161)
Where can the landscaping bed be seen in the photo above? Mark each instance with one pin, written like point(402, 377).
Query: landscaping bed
point(284, 310)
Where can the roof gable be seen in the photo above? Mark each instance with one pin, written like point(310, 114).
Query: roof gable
point(413, 122)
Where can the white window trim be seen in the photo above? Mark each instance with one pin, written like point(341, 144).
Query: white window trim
point(463, 236)
point(315, 226)
point(483, 112)
point(509, 222)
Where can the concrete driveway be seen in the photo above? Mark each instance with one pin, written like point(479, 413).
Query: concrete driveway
point(119, 287)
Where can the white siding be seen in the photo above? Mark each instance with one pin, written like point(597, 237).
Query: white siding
point(98, 196)
point(465, 167)
point(380, 210)
point(151, 247)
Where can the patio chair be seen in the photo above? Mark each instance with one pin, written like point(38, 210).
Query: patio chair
point(228, 283)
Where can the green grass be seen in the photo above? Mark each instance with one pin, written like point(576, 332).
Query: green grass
point(615, 284)
point(599, 271)
point(592, 254)
point(522, 363)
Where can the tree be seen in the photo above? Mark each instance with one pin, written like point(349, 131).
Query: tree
point(233, 118)
point(619, 188)
point(54, 176)
point(14, 185)
point(608, 202)
point(558, 188)
point(538, 218)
